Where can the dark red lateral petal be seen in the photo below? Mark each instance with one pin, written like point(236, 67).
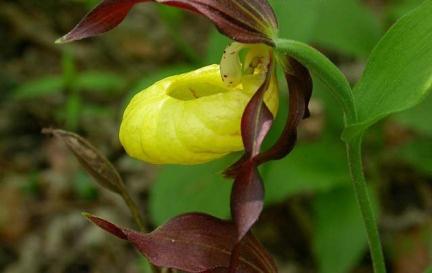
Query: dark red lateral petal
point(241, 20)
point(257, 119)
point(300, 91)
point(247, 198)
point(104, 17)
point(195, 243)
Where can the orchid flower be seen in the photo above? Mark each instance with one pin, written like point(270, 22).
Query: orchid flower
point(205, 114)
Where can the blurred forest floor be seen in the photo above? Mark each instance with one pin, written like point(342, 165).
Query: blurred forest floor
point(83, 87)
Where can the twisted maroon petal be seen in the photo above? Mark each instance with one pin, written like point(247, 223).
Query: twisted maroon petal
point(247, 21)
point(195, 243)
point(300, 91)
point(106, 16)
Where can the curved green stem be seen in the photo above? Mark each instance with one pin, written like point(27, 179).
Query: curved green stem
point(325, 70)
point(354, 154)
point(335, 80)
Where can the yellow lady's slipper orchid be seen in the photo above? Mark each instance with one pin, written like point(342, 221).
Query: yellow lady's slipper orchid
point(190, 118)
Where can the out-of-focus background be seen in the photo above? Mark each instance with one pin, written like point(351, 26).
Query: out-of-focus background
point(311, 222)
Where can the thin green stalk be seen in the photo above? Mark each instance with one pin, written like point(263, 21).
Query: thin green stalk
point(133, 208)
point(330, 74)
point(325, 70)
point(136, 214)
point(361, 191)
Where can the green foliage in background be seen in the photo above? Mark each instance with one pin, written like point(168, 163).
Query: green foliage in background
point(317, 167)
point(71, 84)
point(400, 62)
point(345, 27)
point(339, 235)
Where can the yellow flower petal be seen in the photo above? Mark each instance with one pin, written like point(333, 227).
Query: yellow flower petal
point(189, 118)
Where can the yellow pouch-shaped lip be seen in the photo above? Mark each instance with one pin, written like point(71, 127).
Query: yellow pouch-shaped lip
point(187, 119)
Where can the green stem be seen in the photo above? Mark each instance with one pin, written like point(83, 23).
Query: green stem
point(133, 208)
point(335, 80)
point(135, 211)
point(325, 70)
point(361, 191)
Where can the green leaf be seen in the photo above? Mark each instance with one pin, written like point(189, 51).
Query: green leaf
point(399, 71)
point(429, 270)
point(311, 167)
point(346, 26)
point(39, 88)
point(143, 265)
point(151, 78)
point(416, 118)
point(297, 18)
point(418, 154)
point(99, 81)
point(314, 166)
point(398, 8)
point(73, 111)
point(215, 47)
point(339, 236)
point(83, 187)
point(199, 188)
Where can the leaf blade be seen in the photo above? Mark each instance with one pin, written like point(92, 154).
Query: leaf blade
point(399, 72)
point(90, 159)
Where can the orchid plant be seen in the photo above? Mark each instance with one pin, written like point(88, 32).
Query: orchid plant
point(202, 115)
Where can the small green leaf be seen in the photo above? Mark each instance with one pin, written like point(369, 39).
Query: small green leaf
point(398, 8)
point(311, 167)
point(418, 155)
point(143, 265)
point(346, 26)
point(215, 47)
point(399, 72)
point(73, 111)
point(297, 18)
point(42, 87)
point(415, 118)
point(429, 270)
point(83, 187)
point(339, 235)
point(151, 78)
point(99, 81)
point(199, 188)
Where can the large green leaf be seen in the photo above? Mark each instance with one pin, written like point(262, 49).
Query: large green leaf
point(215, 47)
point(416, 118)
point(199, 188)
point(99, 81)
point(153, 77)
point(419, 154)
point(46, 86)
point(399, 71)
point(314, 166)
point(296, 18)
point(346, 26)
point(311, 167)
point(398, 8)
point(339, 234)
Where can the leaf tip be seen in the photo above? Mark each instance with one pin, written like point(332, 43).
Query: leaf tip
point(61, 40)
point(87, 215)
